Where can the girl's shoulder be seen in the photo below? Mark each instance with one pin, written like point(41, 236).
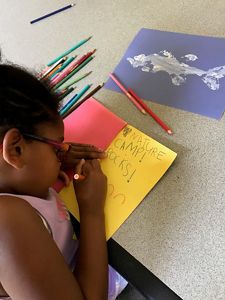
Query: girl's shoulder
point(16, 215)
point(13, 206)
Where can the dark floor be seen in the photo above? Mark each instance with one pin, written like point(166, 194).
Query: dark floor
point(130, 293)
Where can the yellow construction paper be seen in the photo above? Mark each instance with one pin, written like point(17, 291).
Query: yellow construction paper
point(135, 163)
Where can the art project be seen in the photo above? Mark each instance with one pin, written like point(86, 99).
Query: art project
point(176, 70)
point(135, 162)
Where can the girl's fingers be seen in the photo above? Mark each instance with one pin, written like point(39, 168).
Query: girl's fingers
point(85, 147)
point(95, 163)
point(81, 154)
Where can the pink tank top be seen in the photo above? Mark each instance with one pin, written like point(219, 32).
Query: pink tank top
point(56, 219)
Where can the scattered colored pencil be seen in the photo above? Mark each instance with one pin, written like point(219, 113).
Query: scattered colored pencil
point(71, 82)
point(133, 100)
point(73, 72)
point(150, 112)
point(54, 70)
point(52, 13)
point(49, 70)
point(60, 92)
point(72, 67)
point(77, 104)
point(68, 103)
point(63, 66)
point(66, 93)
point(73, 100)
point(69, 51)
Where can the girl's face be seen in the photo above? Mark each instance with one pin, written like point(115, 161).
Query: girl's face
point(43, 162)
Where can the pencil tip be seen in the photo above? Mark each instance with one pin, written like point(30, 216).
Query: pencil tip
point(169, 131)
point(89, 38)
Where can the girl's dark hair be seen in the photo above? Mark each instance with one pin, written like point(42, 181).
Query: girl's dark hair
point(25, 102)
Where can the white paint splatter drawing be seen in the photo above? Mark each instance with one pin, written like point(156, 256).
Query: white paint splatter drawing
point(178, 71)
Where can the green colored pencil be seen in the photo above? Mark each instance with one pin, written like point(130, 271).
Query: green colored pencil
point(67, 92)
point(73, 72)
point(71, 82)
point(68, 51)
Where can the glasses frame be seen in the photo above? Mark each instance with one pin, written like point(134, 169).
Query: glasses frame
point(61, 147)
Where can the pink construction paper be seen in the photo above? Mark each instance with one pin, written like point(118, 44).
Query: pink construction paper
point(91, 123)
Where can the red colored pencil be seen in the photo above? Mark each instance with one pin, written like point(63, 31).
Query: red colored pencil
point(150, 112)
point(60, 76)
point(127, 93)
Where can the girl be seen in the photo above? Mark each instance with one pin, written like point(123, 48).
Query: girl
point(39, 259)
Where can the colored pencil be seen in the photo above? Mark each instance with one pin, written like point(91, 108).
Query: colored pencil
point(54, 70)
point(94, 91)
point(133, 100)
point(71, 82)
point(49, 70)
point(73, 72)
point(68, 103)
point(150, 112)
point(59, 71)
point(71, 67)
point(73, 100)
point(66, 93)
point(69, 51)
point(79, 177)
point(52, 13)
point(63, 66)
point(60, 92)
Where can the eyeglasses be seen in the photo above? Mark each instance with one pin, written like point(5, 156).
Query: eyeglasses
point(60, 148)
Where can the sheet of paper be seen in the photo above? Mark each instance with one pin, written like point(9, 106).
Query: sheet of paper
point(135, 163)
point(175, 69)
point(92, 123)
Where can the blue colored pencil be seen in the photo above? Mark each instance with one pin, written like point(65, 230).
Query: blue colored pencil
point(52, 13)
point(68, 51)
point(74, 99)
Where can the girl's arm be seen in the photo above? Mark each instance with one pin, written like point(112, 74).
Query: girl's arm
point(92, 262)
point(31, 265)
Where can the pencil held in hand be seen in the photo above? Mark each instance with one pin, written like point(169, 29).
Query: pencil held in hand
point(78, 177)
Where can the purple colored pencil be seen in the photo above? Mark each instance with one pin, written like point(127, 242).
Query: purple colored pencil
point(52, 13)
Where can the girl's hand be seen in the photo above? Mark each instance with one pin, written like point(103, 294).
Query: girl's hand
point(90, 191)
point(79, 151)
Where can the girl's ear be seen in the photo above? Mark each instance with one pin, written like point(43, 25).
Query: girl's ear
point(13, 147)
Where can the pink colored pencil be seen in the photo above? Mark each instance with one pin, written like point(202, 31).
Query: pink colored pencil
point(70, 68)
point(127, 93)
